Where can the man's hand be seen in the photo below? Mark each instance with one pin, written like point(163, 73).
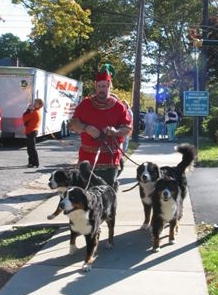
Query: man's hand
point(92, 131)
point(111, 131)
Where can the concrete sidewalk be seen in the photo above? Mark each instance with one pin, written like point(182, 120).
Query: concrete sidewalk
point(130, 267)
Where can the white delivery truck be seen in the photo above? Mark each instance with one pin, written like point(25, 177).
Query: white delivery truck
point(19, 86)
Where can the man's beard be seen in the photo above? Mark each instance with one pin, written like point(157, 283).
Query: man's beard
point(102, 95)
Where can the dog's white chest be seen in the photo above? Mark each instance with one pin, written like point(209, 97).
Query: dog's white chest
point(168, 209)
point(80, 222)
point(147, 189)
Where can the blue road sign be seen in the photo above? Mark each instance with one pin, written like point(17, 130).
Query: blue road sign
point(196, 103)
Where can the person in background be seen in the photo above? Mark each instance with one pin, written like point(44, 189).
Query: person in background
point(32, 118)
point(150, 119)
point(126, 140)
point(159, 126)
point(171, 120)
point(102, 122)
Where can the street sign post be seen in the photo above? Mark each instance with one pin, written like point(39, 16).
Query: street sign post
point(196, 103)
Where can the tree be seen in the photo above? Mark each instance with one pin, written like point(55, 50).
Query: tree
point(213, 50)
point(169, 23)
point(11, 46)
point(111, 21)
point(64, 19)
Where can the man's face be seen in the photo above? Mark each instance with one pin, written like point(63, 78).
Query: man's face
point(103, 89)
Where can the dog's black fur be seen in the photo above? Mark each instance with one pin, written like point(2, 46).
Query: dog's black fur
point(62, 179)
point(168, 195)
point(86, 211)
point(148, 173)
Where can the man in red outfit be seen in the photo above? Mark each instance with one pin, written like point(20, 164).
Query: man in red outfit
point(102, 122)
point(32, 119)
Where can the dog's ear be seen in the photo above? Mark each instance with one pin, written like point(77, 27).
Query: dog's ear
point(62, 176)
point(139, 171)
point(156, 171)
point(74, 177)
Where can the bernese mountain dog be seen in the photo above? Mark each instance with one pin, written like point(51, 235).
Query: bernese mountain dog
point(86, 211)
point(62, 179)
point(148, 173)
point(168, 196)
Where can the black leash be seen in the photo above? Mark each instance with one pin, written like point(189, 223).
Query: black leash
point(102, 138)
point(123, 153)
point(129, 189)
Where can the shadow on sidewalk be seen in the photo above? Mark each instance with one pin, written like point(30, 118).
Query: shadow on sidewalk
point(110, 267)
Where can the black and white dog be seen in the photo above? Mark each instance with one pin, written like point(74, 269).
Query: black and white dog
point(168, 196)
point(62, 179)
point(148, 173)
point(86, 211)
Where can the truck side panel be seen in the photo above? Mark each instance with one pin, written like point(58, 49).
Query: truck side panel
point(20, 86)
point(63, 95)
point(15, 95)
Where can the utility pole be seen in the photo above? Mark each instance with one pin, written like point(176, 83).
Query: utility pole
point(158, 79)
point(137, 74)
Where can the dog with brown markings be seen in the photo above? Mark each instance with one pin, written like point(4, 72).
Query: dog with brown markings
point(86, 211)
point(63, 179)
point(168, 196)
point(149, 173)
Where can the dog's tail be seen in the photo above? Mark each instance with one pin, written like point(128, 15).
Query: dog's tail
point(85, 171)
point(188, 154)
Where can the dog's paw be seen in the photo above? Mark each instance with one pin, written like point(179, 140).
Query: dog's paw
point(108, 245)
point(156, 250)
point(172, 242)
point(50, 217)
point(72, 249)
point(145, 226)
point(87, 267)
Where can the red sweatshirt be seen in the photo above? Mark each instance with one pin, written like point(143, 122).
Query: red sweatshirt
point(116, 116)
point(32, 120)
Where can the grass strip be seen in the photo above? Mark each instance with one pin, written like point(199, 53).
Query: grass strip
point(208, 154)
point(208, 239)
point(18, 246)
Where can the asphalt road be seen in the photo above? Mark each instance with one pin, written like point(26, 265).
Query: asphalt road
point(203, 188)
point(203, 182)
point(52, 154)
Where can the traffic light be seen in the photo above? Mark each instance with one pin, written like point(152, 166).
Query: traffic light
point(195, 36)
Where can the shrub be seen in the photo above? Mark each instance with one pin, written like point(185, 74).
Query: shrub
point(185, 127)
point(210, 124)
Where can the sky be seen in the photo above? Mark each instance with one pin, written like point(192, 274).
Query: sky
point(14, 19)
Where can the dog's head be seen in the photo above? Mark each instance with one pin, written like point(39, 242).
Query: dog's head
point(73, 199)
point(62, 179)
point(58, 178)
point(147, 172)
point(166, 189)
